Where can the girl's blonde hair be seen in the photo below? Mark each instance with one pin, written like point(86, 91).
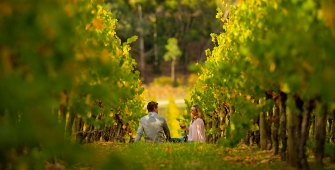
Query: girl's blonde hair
point(200, 112)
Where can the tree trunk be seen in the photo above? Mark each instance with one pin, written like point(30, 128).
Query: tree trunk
point(186, 61)
point(117, 133)
point(320, 135)
point(77, 129)
point(247, 137)
point(268, 129)
point(62, 110)
point(214, 124)
point(333, 136)
point(173, 78)
point(312, 126)
point(292, 139)
point(68, 126)
point(276, 128)
point(231, 113)
point(262, 129)
point(89, 133)
point(256, 134)
point(329, 130)
point(283, 136)
point(303, 164)
point(208, 126)
point(295, 132)
point(211, 138)
point(155, 45)
point(98, 131)
point(141, 41)
point(223, 115)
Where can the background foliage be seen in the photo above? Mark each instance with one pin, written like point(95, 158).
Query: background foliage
point(190, 22)
point(61, 61)
point(270, 54)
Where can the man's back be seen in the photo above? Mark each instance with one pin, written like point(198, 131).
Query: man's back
point(154, 127)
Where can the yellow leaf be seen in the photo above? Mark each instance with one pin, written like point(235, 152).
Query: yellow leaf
point(118, 51)
point(272, 67)
point(98, 24)
point(248, 97)
point(201, 147)
point(5, 9)
point(88, 99)
point(126, 84)
point(285, 88)
point(327, 12)
point(328, 74)
point(307, 67)
point(233, 94)
point(221, 127)
point(63, 98)
point(88, 26)
point(6, 61)
point(124, 126)
point(119, 84)
point(68, 10)
point(104, 56)
point(80, 57)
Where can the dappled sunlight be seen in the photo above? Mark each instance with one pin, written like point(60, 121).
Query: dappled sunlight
point(162, 93)
point(173, 113)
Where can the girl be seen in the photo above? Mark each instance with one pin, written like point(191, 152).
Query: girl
point(197, 125)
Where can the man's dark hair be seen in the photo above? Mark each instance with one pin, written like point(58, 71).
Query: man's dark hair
point(151, 106)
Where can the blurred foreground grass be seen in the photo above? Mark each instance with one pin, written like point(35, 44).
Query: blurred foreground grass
point(183, 156)
point(150, 156)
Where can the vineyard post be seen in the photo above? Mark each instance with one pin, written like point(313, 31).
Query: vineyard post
point(303, 164)
point(276, 127)
point(283, 136)
point(333, 137)
point(262, 128)
point(320, 134)
point(291, 138)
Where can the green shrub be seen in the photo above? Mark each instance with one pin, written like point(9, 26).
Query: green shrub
point(192, 79)
point(162, 81)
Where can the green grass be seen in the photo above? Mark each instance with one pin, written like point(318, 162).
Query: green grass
point(143, 155)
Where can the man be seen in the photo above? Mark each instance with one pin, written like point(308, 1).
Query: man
point(153, 125)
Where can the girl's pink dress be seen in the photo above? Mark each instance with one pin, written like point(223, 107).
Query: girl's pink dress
point(197, 131)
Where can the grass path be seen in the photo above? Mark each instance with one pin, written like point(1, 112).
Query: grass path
point(150, 156)
point(164, 103)
point(185, 156)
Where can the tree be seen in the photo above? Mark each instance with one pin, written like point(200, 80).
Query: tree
point(75, 70)
point(259, 51)
point(173, 53)
point(153, 21)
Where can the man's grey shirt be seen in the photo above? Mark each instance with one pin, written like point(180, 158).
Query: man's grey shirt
point(154, 127)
